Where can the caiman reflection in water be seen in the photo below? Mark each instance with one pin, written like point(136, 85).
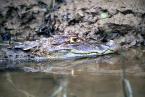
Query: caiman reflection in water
point(98, 77)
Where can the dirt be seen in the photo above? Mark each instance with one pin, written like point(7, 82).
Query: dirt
point(99, 21)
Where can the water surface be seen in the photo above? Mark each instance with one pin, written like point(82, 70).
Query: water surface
point(96, 77)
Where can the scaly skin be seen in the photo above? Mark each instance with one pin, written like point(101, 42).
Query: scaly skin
point(60, 47)
point(83, 50)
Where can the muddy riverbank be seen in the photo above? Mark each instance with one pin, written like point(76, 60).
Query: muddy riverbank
point(99, 21)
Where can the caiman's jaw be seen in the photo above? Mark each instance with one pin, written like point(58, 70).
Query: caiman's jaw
point(75, 55)
point(74, 52)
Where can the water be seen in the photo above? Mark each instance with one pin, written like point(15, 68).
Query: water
point(98, 77)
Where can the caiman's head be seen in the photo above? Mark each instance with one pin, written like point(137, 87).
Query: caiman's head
point(67, 47)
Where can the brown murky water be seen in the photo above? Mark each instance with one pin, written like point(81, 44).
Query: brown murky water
point(97, 77)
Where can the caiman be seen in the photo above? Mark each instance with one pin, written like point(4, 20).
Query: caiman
point(63, 47)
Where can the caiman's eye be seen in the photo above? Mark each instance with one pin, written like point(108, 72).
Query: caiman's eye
point(73, 39)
